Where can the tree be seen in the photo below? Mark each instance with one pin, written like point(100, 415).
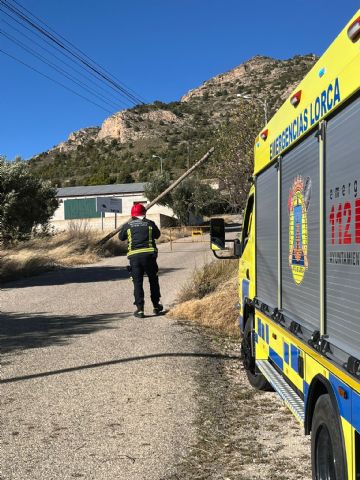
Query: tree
point(157, 184)
point(233, 160)
point(25, 201)
point(191, 196)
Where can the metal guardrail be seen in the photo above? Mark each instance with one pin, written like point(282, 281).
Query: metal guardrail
point(190, 234)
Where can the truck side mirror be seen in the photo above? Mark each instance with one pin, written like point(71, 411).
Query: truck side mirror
point(217, 234)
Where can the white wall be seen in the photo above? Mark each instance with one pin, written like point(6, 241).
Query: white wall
point(60, 223)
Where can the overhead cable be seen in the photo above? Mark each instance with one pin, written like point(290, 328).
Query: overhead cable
point(53, 80)
point(93, 80)
point(80, 51)
point(61, 44)
point(58, 69)
point(124, 100)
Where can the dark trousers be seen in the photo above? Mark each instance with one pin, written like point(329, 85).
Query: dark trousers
point(140, 264)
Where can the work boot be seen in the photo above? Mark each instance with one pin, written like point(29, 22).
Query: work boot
point(158, 309)
point(139, 313)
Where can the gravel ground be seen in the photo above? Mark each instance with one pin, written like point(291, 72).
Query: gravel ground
point(88, 392)
point(243, 434)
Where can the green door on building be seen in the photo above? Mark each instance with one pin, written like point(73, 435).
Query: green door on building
point(79, 208)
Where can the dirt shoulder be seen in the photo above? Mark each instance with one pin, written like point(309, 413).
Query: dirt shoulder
point(242, 434)
point(76, 246)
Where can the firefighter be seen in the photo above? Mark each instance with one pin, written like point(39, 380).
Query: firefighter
point(141, 234)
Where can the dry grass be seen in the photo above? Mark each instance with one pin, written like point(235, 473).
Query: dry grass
point(174, 233)
point(207, 279)
point(210, 297)
point(76, 246)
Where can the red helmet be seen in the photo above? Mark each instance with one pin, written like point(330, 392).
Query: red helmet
point(138, 210)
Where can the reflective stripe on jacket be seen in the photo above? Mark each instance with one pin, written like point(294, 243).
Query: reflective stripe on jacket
point(141, 235)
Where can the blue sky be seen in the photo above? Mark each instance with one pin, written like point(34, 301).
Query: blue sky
point(159, 48)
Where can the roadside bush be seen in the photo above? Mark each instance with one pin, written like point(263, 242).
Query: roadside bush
point(25, 202)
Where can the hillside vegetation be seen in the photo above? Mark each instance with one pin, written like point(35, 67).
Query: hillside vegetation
point(122, 149)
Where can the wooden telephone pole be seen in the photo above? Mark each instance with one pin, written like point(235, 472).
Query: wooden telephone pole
point(165, 192)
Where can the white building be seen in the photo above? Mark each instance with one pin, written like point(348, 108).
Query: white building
point(78, 204)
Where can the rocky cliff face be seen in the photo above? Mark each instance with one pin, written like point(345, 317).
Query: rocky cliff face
point(241, 74)
point(122, 148)
point(268, 73)
point(124, 127)
point(127, 126)
point(78, 138)
point(263, 75)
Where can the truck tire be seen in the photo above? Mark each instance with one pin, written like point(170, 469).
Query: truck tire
point(255, 377)
point(327, 452)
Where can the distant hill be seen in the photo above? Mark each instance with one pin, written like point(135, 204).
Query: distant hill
point(122, 149)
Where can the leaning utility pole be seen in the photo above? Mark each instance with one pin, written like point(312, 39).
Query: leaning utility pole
point(165, 192)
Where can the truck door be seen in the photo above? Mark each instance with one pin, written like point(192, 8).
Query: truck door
point(247, 260)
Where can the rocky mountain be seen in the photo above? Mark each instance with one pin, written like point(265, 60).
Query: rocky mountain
point(122, 149)
point(76, 139)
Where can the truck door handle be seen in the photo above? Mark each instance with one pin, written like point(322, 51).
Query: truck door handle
point(247, 274)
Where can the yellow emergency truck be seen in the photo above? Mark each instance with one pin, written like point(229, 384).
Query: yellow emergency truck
point(299, 268)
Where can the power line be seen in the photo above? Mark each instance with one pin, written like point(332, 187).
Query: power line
point(78, 58)
point(74, 46)
point(56, 68)
point(53, 80)
point(61, 44)
point(86, 77)
point(65, 54)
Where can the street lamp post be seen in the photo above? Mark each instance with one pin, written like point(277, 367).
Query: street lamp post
point(161, 162)
point(256, 99)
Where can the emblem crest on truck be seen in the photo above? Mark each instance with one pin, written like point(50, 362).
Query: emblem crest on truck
point(298, 204)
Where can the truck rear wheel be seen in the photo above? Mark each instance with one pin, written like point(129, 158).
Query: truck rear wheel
point(255, 377)
point(327, 452)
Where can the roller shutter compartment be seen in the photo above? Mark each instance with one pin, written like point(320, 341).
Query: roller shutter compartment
point(267, 237)
point(300, 267)
point(343, 229)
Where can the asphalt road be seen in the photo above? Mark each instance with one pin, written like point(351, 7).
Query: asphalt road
point(87, 390)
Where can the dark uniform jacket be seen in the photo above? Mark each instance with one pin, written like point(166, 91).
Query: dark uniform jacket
point(141, 235)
